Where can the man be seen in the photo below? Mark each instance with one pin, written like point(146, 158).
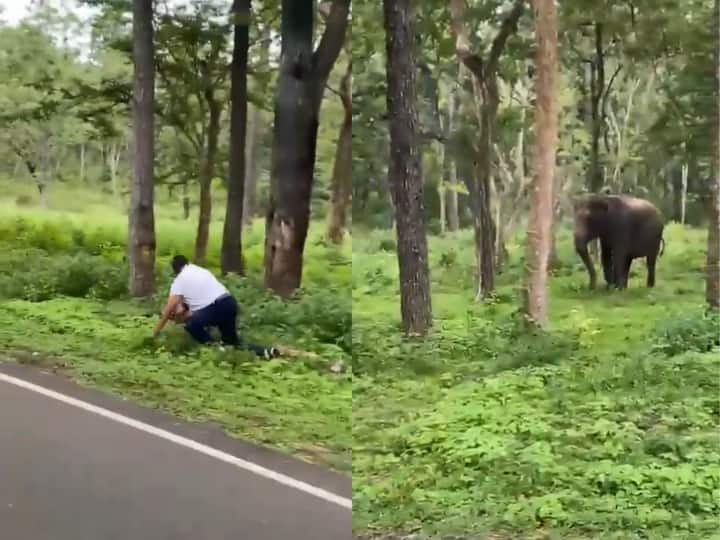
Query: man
point(200, 301)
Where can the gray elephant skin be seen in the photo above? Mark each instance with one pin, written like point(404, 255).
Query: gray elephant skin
point(627, 227)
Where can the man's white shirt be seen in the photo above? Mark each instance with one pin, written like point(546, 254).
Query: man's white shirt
point(198, 287)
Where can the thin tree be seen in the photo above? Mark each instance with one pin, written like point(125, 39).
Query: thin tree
point(485, 72)
point(141, 233)
point(302, 79)
point(404, 172)
point(341, 185)
point(712, 288)
point(231, 259)
point(539, 234)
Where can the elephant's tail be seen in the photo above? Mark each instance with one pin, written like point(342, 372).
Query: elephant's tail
point(662, 246)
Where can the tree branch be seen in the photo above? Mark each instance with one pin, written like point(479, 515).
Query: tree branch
point(507, 28)
point(606, 92)
point(473, 62)
point(332, 40)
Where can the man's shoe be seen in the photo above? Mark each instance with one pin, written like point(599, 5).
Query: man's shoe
point(270, 353)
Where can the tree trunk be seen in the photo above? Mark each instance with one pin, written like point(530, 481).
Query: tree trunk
point(451, 168)
point(405, 168)
point(301, 83)
point(186, 199)
point(485, 87)
point(251, 172)
point(206, 177)
point(539, 235)
point(484, 223)
point(141, 215)
point(341, 185)
point(712, 288)
point(712, 285)
point(231, 259)
point(683, 195)
point(597, 87)
point(443, 206)
point(113, 160)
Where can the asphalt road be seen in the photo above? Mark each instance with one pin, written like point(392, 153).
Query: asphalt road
point(70, 474)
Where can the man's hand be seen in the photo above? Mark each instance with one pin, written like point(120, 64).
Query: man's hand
point(170, 307)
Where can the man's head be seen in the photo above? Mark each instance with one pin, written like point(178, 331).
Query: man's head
point(178, 263)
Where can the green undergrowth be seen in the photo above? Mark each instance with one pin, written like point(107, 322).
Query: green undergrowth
point(604, 426)
point(63, 301)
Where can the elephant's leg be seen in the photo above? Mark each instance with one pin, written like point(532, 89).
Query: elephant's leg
point(651, 270)
point(620, 267)
point(607, 264)
point(582, 250)
point(626, 272)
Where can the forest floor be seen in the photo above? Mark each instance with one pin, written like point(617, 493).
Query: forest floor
point(605, 427)
point(63, 302)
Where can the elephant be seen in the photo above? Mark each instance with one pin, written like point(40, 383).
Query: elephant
point(627, 227)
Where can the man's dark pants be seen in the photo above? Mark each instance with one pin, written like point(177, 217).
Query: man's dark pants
point(222, 313)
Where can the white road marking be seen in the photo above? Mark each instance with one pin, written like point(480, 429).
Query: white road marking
point(183, 441)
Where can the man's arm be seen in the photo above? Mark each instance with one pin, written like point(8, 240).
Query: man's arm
point(172, 304)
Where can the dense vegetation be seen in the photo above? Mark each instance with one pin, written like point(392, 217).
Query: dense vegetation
point(63, 292)
point(599, 422)
point(603, 427)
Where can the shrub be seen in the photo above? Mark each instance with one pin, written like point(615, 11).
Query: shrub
point(387, 245)
point(698, 332)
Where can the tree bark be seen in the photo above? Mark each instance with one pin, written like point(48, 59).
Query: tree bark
point(141, 216)
point(231, 259)
point(485, 87)
point(451, 168)
point(251, 169)
point(113, 159)
point(597, 87)
point(539, 235)
point(186, 199)
point(341, 185)
point(405, 168)
point(712, 284)
point(207, 174)
point(301, 84)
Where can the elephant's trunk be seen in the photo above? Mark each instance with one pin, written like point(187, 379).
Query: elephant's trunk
point(581, 246)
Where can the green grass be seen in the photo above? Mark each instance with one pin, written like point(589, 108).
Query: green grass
point(63, 302)
point(606, 426)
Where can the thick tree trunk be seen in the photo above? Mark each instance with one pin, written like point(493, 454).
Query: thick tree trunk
point(539, 234)
point(341, 185)
point(206, 177)
point(712, 288)
point(293, 153)
point(141, 216)
point(231, 259)
point(301, 83)
point(251, 168)
point(405, 171)
point(484, 222)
